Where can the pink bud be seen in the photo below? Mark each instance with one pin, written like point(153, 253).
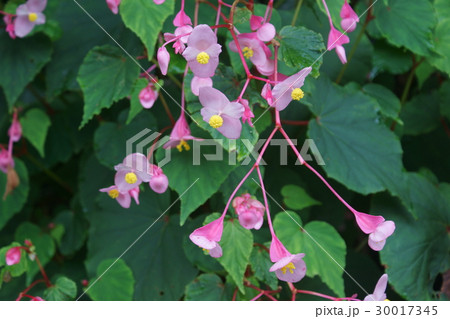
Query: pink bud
point(181, 19)
point(349, 18)
point(113, 5)
point(28, 242)
point(256, 22)
point(148, 96)
point(248, 114)
point(163, 57)
point(15, 130)
point(266, 93)
point(198, 83)
point(135, 194)
point(5, 161)
point(8, 19)
point(85, 283)
point(159, 1)
point(13, 256)
point(266, 32)
point(159, 183)
point(340, 51)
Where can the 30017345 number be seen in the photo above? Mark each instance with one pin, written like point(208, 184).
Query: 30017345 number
point(406, 311)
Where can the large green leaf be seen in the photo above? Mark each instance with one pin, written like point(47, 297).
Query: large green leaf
point(207, 287)
point(421, 114)
point(17, 198)
point(260, 263)
point(301, 48)
point(196, 182)
point(444, 105)
point(35, 125)
point(237, 244)
point(63, 289)
point(441, 37)
point(106, 76)
point(157, 259)
point(388, 101)
point(322, 245)
point(113, 282)
point(20, 61)
point(419, 249)
point(146, 19)
point(75, 231)
point(45, 246)
point(407, 23)
point(358, 149)
point(391, 59)
point(295, 197)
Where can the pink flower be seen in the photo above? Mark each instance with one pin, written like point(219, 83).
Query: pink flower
point(163, 57)
point(377, 228)
point(124, 199)
point(159, 1)
point(158, 182)
point(289, 89)
point(264, 31)
point(148, 96)
point(8, 19)
point(349, 18)
point(198, 83)
point(249, 210)
point(29, 15)
point(208, 237)
point(379, 292)
point(182, 33)
point(132, 172)
point(287, 267)
point(13, 256)
point(113, 5)
point(220, 113)
point(335, 41)
point(5, 161)
point(15, 130)
point(181, 19)
point(267, 68)
point(266, 93)
point(202, 53)
point(37, 298)
point(252, 48)
point(180, 134)
point(248, 114)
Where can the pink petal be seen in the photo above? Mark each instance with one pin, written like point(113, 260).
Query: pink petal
point(376, 245)
point(256, 22)
point(231, 127)
point(40, 19)
point(37, 5)
point(106, 190)
point(23, 26)
point(202, 37)
point(159, 183)
point(216, 252)
point(266, 69)
point(277, 250)
point(336, 38)
point(13, 256)
point(203, 70)
point(348, 24)
point(159, 1)
point(122, 185)
point(368, 223)
point(186, 29)
point(379, 292)
point(233, 110)
point(163, 57)
point(113, 5)
point(211, 232)
point(198, 83)
point(148, 96)
point(181, 19)
point(340, 51)
point(124, 199)
point(135, 194)
point(297, 274)
point(212, 99)
point(266, 32)
point(22, 10)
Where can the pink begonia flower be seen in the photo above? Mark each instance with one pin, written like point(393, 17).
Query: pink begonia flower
point(208, 237)
point(132, 172)
point(15, 130)
point(287, 267)
point(159, 1)
point(158, 182)
point(198, 83)
point(249, 210)
point(252, 48)
point(148, 96)
point(266, 93)
point(163, 57)
point(202, 53)
point(13, 256)
point(8, 19)
point(335, 41)
point(289, 89)
point(29, 15)
point(180, 134)
point(181, 19)
point(124, 199)
point(264, 31)
point(220, 113)
point(113, 5)
point(5, 161)
point(183, 32)
point(248, 114)
point(267, 68)
point(377, 228)
point(379, 292)
point(349, 18)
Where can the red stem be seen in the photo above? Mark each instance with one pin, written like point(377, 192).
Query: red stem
point(299, 123)
point(23, 293)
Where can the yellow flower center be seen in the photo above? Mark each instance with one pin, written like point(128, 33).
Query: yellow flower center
point(248, 52)
point(205, 251)
point(32, 16)
point(386, 300)
point(203, 58)
point(289, 267)
point(113, 193)
point(183, 144)
point(297, 94)
point(131, 178)
point(216, 121)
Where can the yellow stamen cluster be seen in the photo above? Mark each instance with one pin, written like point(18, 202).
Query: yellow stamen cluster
point(297, 94)
point(131, 178)
point(32, 16)
point(216, 121)
point(113, 193)
point(248, 52)
point(183, 144)
point(289, 267)
point(203, 58)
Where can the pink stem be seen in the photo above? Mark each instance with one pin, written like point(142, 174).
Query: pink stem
point(244, 88)
point(262, 79)
point(241, 55)
point(268, 13)
point(225, 4)
point(219, 10)
point(328, 13)
point(269, 220)
point(182, 89)
point(257, 296)
point(176, 38)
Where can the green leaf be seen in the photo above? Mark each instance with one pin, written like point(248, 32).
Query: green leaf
point(322, 245)
point(157, 259)
point(334, 7)
point(391, 59)
point(146, 19)
point(441, 37)
point(421, 114)
point(20, 61)
point(358, 149)
point(106, 76)
point(407, 23)
point(35, 125)
point(207, 287)
point(414, 261)
point(295, 197)
point(45, 246)
point(75, 233)
point(113, 284)
point(17, 198)
point(444, 104)
point(63, 289)
point(194, 182)
point(301, 48)
point(14, 270)
point(135, 104)
point(260, 263)
point(388, 101)
point(237, 244)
